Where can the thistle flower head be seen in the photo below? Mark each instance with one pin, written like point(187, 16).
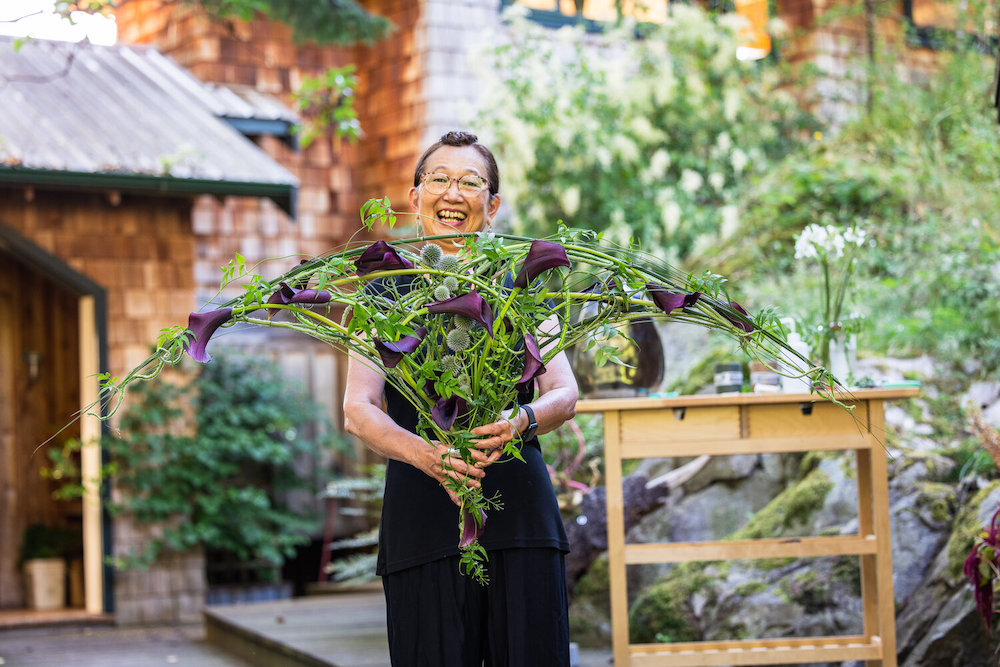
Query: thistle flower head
point(441, 293)
point(448, 364)
point(458, 340)
point(431, 254)
point(451, 282)
point(462, 322)
point(448, 263)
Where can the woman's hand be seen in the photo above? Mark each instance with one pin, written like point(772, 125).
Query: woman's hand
point(492, 440)
point(441, 462)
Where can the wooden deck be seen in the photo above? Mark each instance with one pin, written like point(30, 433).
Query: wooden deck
point(335, 630)
point(29, 618)
point(343, 630)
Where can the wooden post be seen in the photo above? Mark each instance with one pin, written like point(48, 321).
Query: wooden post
point(616, 536)
point(90, 460)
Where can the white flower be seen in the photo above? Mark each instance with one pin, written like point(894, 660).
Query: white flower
point(739, 160)
point(856, 236)
point(691, 181)
point(625, 148)
point(671, 214)
point(724, 142)
point(570, 200)
point(717, 180)
point(730, 221)
point(658, 164)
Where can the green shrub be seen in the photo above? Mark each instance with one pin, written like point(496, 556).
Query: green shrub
point(221, 486)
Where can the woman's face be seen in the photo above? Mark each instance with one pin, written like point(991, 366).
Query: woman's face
point(454, 210)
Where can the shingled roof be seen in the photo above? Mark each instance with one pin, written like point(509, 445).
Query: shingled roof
point(124, 117)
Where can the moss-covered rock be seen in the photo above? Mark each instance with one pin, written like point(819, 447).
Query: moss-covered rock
point(664, 612)
point(590, 611)
point(937, 501)
point(793, 506)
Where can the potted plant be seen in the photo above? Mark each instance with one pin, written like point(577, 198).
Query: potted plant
point(43, 562)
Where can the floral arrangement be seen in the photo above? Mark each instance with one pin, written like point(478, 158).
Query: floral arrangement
point(465, 336)
point(835, 250)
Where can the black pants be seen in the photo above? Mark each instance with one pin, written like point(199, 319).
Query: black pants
point(439, 618)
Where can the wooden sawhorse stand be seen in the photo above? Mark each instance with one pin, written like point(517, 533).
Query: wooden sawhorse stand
point(728, 424)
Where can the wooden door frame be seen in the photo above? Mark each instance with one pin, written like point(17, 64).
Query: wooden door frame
point(93, 335)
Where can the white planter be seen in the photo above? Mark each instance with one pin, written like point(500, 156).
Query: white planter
point(45, 583)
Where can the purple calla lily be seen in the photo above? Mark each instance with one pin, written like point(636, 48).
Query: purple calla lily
point(311, 296)
point(533, 366)
point(737, 322)
point(668, 301)
point(380, 256)
point(282, 295)
point(287, 294)
point(470, 304)
point(472, 529)
point(392, 353)
point(446, 411)
point(202, 326)
point(542, 256)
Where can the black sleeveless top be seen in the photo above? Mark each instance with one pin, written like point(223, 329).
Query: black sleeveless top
point(420, 522)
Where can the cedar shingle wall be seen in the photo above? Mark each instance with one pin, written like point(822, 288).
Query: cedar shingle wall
point(140, 251)
point(336, 177)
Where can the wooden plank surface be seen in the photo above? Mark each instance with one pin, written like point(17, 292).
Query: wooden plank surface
point(754, 652)
point(664, 445)
point(804, 547)
point(645, 403)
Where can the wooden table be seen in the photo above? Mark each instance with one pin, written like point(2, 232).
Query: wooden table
point(727, 424)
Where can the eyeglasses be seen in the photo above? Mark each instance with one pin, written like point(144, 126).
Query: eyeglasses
point(438, 183)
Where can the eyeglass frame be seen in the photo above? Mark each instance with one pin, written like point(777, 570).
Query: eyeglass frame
point(484, 186)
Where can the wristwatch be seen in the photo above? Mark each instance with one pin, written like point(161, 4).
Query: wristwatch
point(529, 432)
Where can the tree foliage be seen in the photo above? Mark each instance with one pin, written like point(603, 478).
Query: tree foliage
point(222, 487)
point(652, 137)
point(340, 22)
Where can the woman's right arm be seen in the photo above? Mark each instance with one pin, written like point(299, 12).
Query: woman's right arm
point(364, 418)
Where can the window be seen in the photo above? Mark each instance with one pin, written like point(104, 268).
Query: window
point(943, 24)
point(595, 13)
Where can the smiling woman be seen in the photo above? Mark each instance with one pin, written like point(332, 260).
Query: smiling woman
point(455, 188)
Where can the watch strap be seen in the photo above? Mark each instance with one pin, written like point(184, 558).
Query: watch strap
point(532, 428)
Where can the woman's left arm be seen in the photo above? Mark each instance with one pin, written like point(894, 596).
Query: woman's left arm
point(555, 404)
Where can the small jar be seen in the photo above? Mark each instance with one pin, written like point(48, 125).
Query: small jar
point(763, 377)
point(728, 377)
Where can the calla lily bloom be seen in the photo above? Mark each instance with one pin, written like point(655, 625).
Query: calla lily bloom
point(737, 322)
point(446, 411)
point(287, 294)
point(310, 296)
point(542, 256)
point(533, 366)
point(380, 256)
point(470, 304)
point(668, 301)
point(392, 353)
point(282, 295)
point(472, 529)
point(203, 325)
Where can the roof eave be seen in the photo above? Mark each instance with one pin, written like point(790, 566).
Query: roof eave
point(283, 194)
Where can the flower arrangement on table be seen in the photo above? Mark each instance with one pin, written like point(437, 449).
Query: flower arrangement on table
point(465, 337)
point(835, 249)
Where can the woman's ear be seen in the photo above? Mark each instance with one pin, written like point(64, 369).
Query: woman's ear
point(414, 198)
point(492, 207)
